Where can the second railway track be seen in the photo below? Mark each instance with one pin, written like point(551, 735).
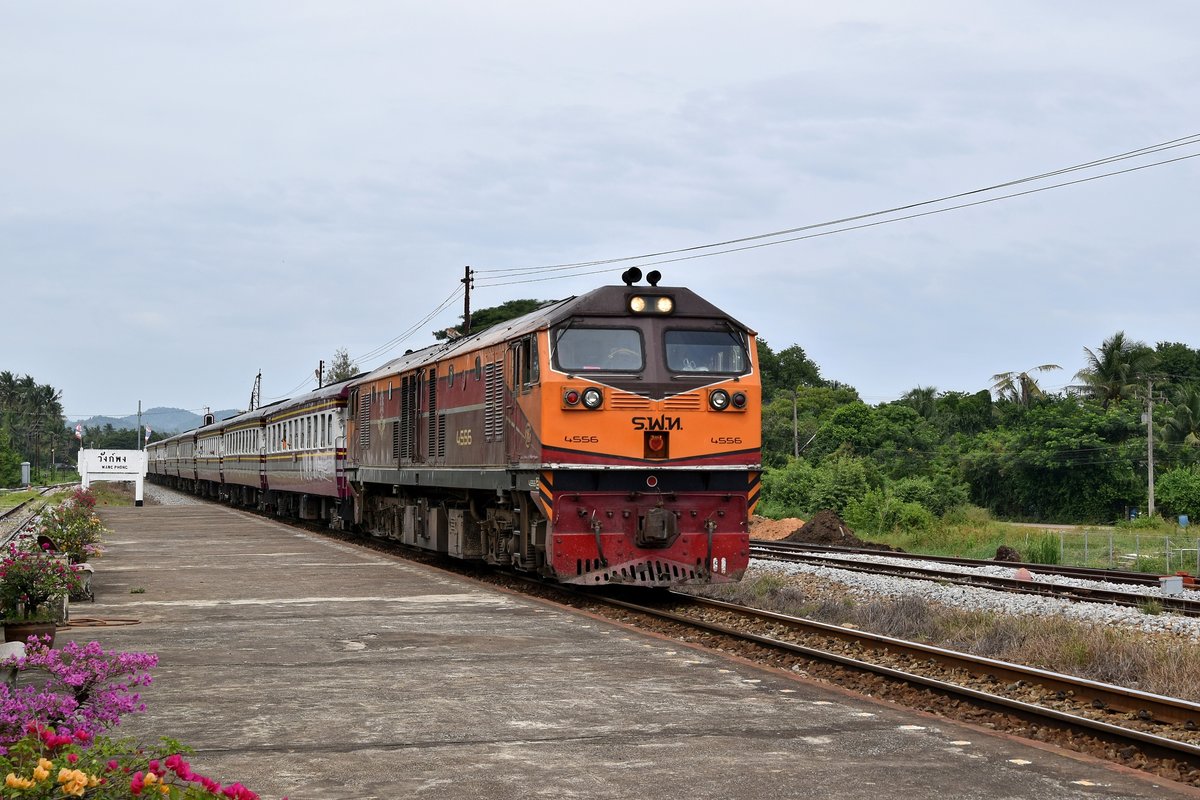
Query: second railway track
point(1142, 589)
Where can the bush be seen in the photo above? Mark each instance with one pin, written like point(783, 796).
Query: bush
point(1178, 491)
point(878, 512)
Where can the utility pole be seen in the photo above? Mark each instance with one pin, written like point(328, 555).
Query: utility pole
point(1150, 443)
point(795, 429)
point(321, 374)
point(467, 281)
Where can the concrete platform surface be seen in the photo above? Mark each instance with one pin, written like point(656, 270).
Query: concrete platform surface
point(308, 668)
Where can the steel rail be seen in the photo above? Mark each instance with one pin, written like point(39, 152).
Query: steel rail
point(1187, 606)
point(1157, 708)
point(1089, 573)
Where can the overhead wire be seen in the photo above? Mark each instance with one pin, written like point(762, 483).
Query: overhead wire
point(840, 230)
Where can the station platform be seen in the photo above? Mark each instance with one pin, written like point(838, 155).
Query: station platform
point(309, 668)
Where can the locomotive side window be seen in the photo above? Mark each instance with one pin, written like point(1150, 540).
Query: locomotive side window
point(706, 351)
point(525, 364)
point(599, 349)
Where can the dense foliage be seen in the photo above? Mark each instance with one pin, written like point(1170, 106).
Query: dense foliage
point(1077, 455)
point(32, 427)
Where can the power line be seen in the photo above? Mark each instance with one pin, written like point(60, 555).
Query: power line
point(576, 269)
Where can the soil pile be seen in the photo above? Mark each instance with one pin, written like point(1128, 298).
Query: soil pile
point(773, 530)
point(1006, 553)
point(826, 527)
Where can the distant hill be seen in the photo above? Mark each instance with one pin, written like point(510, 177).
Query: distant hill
point(161, 420)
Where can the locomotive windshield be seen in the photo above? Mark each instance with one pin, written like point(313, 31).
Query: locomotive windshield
point(706, 351)
point(602, 349)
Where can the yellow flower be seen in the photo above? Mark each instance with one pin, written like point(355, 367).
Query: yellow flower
point(46, 764)
point(150, 778)
point(13, 782)
point(40, 773)
point(75, 781)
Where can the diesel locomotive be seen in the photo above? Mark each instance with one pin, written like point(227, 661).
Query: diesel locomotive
point(610, 438)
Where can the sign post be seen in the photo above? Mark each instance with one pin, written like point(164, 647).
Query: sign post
point(114, 465)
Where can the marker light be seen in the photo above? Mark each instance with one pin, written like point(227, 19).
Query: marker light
point(718, 399)
point(592, 397)
point(571, 397)
point(739, 399)
point(651, 481)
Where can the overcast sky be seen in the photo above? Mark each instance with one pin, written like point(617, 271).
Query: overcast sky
point(192, 192)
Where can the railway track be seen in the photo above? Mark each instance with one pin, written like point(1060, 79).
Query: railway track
point(13, 520)
point(1136, 596)
point(1147, 731)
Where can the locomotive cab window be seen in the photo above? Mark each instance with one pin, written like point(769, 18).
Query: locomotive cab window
point(706, 351)
point(525, 364)
point(598, 349)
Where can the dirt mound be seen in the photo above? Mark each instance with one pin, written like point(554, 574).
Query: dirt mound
point(1006, 553)
point(773, 530)
point(826, 527)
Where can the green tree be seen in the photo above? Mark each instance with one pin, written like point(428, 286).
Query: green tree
point(341, 367)
point(1114, 371)
point(1020, 387)
point(1178, 491)
point(787, 370)
point(485, 318)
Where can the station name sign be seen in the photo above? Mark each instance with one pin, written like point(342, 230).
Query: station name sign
point(113, 462)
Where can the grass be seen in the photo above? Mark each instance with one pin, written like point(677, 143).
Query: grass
point(112, 493)
point(1162, 665)
point(1154, 546)
point(10, 499)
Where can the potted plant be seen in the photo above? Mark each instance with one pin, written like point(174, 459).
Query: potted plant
point(73, 528)
point(33, 586)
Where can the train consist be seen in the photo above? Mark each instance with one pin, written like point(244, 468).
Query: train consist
point(611, 438)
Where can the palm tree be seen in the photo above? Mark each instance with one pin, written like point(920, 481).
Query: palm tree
point(923, 399)
point(1183, 426)
point(1114, 372)
point(1020, 387)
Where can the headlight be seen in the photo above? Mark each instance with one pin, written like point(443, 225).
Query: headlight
point(655, 304)
point(718, 399)
point(592, 397)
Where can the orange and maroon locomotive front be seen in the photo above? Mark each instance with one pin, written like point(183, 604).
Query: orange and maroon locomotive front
point(648, 409)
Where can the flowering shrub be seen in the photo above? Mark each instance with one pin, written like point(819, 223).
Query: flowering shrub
point(30, 580)
point(73, 526)
point(81, 687)
point(48, 764)
point(52, 732)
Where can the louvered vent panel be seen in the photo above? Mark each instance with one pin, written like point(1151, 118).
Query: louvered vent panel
point(364, 421)
point(682, 402)
point(433, 423)
point(396, 441)
point(628, 401)
point(492, 414)
point(441, 435)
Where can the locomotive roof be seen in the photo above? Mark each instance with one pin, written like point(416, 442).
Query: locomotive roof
point(605, 301)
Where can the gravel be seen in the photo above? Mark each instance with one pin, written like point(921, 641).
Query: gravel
point(162, 496)
point(867, 588)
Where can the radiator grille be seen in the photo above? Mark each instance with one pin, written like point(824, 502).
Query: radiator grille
point(493, 412)
point(364, 421)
